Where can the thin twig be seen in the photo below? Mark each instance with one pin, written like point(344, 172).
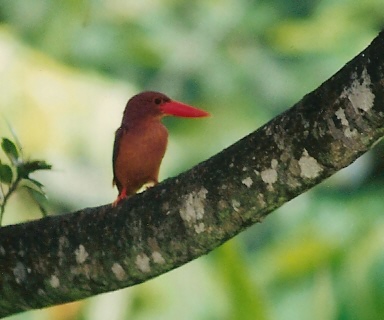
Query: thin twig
point(12, 188)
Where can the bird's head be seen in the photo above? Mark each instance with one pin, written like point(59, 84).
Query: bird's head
point(155, 105)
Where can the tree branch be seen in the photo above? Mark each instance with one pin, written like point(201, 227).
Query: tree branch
point(73, 256)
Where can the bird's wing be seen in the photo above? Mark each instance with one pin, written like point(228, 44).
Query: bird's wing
point(116, 146)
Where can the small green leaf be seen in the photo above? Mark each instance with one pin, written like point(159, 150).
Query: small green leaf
point(38, 165)
point(10, 150)
point(14, 135)
point(40, 198)
point(24, 169)
point(22, 173)
point(6, 174)
point(34, 185)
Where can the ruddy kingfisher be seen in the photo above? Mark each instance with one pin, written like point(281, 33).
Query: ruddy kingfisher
point(141, 140)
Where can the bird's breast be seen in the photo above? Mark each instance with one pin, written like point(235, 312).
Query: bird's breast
point(140, 154)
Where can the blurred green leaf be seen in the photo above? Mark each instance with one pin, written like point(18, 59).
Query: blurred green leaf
point(14, 135)
point(36, 183)
point(24, 169)
point(247, 297)
point(40, 198)
point(35, 190)
point(10, 150)
point(37, 165)
point(6, 174)
point(32, 184)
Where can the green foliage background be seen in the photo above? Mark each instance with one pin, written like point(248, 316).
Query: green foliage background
point(67, 69)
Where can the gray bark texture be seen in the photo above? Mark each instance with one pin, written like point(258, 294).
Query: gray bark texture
point(77, 255)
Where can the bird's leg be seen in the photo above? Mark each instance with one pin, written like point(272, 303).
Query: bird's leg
point(122, 195)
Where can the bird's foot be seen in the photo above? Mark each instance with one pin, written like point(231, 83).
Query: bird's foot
point(122, 195)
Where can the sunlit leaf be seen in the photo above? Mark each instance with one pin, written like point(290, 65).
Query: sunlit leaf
point(6, 174)
point(10, 150)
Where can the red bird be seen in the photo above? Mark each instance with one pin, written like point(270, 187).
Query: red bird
point(141, 140)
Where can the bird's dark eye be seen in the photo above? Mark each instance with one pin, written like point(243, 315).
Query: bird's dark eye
point(157, 100)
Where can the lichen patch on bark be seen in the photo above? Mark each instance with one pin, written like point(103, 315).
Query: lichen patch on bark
point(142, 263)
point(360, 93)
point(247, 182)
point(261, 200)
point(236, 205)
point(309, 166)
point(118, 271)
point(54, 281)
point(348, 132)
point(269, 176)
point(20, 272)
point(81, 254)
point(157, 257)
point(192, 209)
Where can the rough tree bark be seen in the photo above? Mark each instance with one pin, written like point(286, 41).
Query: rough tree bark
point(77, 255)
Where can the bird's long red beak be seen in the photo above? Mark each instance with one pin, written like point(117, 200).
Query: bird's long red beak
point(178, 109)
